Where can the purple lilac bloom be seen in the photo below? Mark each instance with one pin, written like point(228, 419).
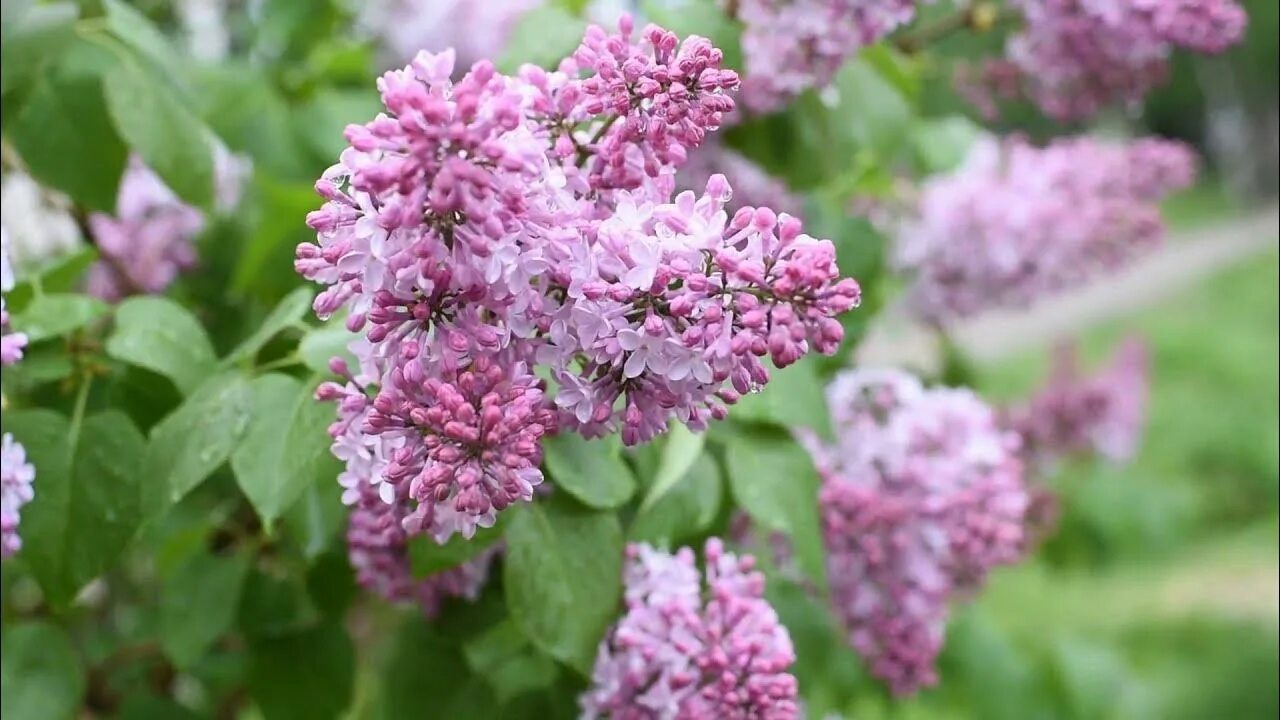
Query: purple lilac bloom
point(487, 233)
point(790, 46)
point(1075, 413)
point(16, 476)
point(688, 653)
point(11, 343)
point(1017, 222)
point(922, 495)
point(377, 543)
point(147, 243)
point(1074, 57)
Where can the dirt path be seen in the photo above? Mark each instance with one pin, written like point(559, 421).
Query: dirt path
point(1185, 260)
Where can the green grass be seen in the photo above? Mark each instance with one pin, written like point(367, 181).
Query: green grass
point(1206, 202)
point(1210, 456)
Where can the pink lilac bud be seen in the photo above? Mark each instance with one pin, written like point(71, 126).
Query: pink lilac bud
point(1074, 57)
point(790, 46)
point(1073, 413)
point(689, 653)
point(147, 243)
point(753, 186)
point(16, 477)
point(1017, 222)
point(922, 495)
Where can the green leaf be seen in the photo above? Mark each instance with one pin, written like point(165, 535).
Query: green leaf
point(685, 511)
point(879, 116)
point(140, 34)
point(151, 707)
point(793, 398)
point(590, 470)
point(162, 336)
point(286, 447)
point(327, 342)
point(198, 604)
point(511, 667)
point(289, 311)
point(169, 137)
point(563, 577)
point(307, 675)
point(322, 120)
point(901, 71)
point(317, 516)
point(40, 364)
point(679, 452)
point(50, 316)
point(88, 499)
point(427, 557)
point(33, 35)
point(40, 678)
point(422, 664)
point(1091, 675)
point(942, 143)
point(196, 438)
point(774, 480)
point(62, 274)
point(283, 208)
point(64, 135)
point(243, 105)
point(543, 36)
point(273, 605)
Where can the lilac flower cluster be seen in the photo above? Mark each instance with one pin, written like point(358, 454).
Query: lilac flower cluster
point(377, 544)
point(790, 46)
point(922, 495)
point(1017, 222)
point(11, 343)
point(1073, 413)
point(148, 241)
point(488, 234)
point(677, 655)
point(475, 30)
point(1074, 57)
point(16, 474)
